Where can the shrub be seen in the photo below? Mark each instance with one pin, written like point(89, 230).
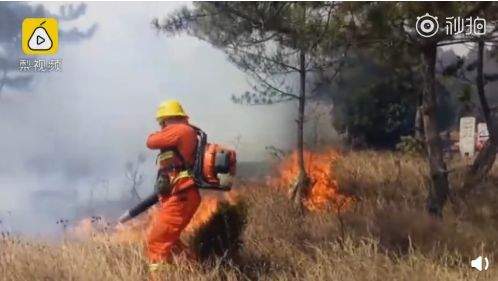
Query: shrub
point(221, 235)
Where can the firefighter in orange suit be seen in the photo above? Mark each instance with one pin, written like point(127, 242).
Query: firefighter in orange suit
point(179, 196)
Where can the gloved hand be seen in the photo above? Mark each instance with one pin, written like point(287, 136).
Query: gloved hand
point(162, 185)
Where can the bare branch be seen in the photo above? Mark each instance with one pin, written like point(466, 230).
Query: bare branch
point(235, 49)
point(255, 22)
point(270, 86)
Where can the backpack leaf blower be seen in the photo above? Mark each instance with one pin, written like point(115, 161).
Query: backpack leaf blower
point(211, 160)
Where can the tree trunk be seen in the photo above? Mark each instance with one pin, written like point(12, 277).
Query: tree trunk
point(3, 81)
point(419, 124)
point(302, 181)
point(486, 157)
point(439, 185)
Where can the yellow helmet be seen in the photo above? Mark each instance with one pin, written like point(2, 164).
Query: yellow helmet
point(170, 108)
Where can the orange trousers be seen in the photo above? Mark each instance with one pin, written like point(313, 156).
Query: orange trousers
point(169, 220)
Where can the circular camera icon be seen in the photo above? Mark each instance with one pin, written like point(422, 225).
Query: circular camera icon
point(427, 25)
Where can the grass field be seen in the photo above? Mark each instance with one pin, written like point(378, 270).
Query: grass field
point(384, 235)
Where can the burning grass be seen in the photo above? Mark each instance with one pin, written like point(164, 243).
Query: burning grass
point(135, 230)
point(384, 235)
point(323, 192)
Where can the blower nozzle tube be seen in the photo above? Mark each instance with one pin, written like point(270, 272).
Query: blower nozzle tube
point(139, 208)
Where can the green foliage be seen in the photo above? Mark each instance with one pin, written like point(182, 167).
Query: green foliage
point(410, 145)
point(375, 99)
point(374, 103)
point(263, 39)
point(466, 94)
point(447, 107)
point(221, 236)
point(380, 114)
point(367, 55)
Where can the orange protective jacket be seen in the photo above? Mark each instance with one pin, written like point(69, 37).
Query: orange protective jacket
point(176, 210)
point(181, 138)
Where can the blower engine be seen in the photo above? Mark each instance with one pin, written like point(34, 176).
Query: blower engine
point(211, 161)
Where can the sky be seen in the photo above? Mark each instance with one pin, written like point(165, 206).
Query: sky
point(70, 130)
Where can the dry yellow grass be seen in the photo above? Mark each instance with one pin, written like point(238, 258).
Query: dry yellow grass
point(385, 236)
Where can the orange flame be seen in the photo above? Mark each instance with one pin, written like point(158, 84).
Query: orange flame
point(209, 205)
point(323, 193)
point(136, 229)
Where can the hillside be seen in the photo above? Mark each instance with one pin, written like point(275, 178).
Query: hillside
point(382, 233)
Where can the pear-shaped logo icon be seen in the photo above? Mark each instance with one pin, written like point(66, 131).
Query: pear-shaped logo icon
point(40, 36)
point(40, 40)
